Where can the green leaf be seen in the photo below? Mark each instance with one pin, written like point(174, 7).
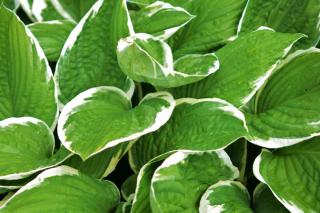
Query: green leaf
point(41, 10)
point(101, 164)
point(227, 197)
point(245, 65)
point(27, 87)
point(288, 106)
point(141, 201)
point(196, 124)
point(27, 146)
point(123, 207)
point(293, 175)
point(52, 36)
point(89, 53)
point(238, 153)
point(215, 24)
point(63, 188)
point(101, 118)
point(145, 58)
point(160, 19)
point(284, 16)
point(15, 184)
point(11, 4)
point(128, 187)
point(178, 184)
point(265, 202)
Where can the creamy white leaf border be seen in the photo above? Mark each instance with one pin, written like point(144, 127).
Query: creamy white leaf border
point(206, 207)
point(25, 121)
point(160, 119)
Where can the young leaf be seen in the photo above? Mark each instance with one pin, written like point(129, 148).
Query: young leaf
point(265, 202)
point(227, 197)
point(215, 24)
point(27, 87)
point(128, 187)
point(196, 124)
point(160, 19)
point(63, 188)
point(284, 16)
point(145, 58)
point(293, 175)
point(101, 118)
point(11, 4)
point(89, 53)
point(178, 184)
point(29, 144)
point(52, 36)
point(288, 106)
point(245, 65)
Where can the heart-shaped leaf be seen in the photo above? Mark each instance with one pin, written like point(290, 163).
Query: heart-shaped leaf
point(288, 106)
point(245, 65)
point(284, 16)
point(160, 19)
point(27, 87)
point(61, 188)
point(101, 118)
point(196, 124)
point(145, 58)
point(227, 197)
point(89, 53)
point(188, 173)
point(293, 175)
point(52, 36)
point(29, 144)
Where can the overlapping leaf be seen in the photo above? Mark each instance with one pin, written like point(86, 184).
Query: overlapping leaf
point(293, 175)
point(89, 54)
point(27, 87)
point(101, 118)
point(63, 188)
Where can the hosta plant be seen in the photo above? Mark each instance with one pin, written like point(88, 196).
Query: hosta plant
point(159, 106)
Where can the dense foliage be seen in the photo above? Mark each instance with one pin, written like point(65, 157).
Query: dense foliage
point(159, 106)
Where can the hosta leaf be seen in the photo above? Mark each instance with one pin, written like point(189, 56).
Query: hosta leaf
point(101, 118)
point(245, 65)
point(128, 187)
point(11, 4)
point(227, 197)
point(288, 106)
point(145, 58)
point(196, 124)
point(41, 10)
point(15, 184)
point(141, 201)
point(123, 207)
point(293, 175)
point(101, 164)
point(292, 16)
point(27, 87)
point(238, 153)
point(27, 146)
point(63, 188)
point(160, 19)
point(89, 54)
point(215, 24)
point(52, 36)
point(265, 202)
point(178, 184)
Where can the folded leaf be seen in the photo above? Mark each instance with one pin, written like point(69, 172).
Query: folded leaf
point(265, 202)
point(101, 118)
point(284, 16)
point(145, 58)
point(15, 184)
point(89, 54)
point(293, 175)
point(178, 184)
point(27, 87)
point(63, 188)
point(29, 144)
point(203, 124)
point(215, 24)
point(245, 65)
point(288, 106)
point(227, 197)
point(128, 187)
point(160, 19)
point(52, 36)
point(11, 4)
